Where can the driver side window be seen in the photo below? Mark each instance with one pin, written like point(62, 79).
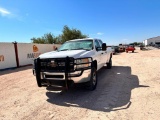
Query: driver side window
point(97, 45)
point(100, 42)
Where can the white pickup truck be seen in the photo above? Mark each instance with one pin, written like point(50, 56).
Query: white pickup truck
point(76, 61)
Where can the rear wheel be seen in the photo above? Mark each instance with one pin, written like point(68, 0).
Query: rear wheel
point(92, 84)
point(133, 51)
point(109, 65)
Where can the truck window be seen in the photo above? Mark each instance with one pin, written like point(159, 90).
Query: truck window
point(100, 42)
point(97, 44)
point(77, 45)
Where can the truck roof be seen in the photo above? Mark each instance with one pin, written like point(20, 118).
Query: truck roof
point(82, 39)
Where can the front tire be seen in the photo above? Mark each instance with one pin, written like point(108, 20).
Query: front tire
point(92, 84)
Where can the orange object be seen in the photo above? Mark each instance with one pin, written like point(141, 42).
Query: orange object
point(35, 48)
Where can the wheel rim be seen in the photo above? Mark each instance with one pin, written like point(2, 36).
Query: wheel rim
point(94, 78)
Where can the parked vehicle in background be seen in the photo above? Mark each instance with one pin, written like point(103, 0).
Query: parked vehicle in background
point(141, 47)
point(130, 48)
point(157, 45)
point(115, 49)
point(121, 49)
point(76, 61)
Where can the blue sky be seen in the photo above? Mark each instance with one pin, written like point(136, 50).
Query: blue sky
point(113, 21)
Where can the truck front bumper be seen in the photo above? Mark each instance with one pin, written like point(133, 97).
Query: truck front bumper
point(66, 70)
point(76, 77)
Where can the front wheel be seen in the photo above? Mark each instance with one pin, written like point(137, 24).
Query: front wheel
point(92, 84)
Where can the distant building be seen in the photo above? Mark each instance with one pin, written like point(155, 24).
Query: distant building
point(152, 41)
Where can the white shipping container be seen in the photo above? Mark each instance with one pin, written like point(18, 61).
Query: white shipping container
point(7, 56)
point(28, 52)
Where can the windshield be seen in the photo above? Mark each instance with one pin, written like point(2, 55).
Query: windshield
point(77, 45)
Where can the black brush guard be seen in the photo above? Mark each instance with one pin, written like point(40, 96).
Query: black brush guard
point(66, 65)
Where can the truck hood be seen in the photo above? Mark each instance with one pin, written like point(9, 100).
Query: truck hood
point(63, 54)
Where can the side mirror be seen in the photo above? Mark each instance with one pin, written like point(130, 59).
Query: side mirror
point(104, 47)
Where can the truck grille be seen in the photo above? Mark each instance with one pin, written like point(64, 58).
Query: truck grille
point(56, 65)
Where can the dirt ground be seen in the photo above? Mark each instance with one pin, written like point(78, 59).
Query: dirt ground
point(128, 91)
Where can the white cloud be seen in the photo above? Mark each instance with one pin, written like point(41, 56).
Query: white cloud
point(4, 12)
point(99, 33)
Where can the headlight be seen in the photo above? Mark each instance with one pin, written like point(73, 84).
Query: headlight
point(82, 63)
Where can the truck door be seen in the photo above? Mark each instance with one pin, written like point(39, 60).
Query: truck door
point(98, 54)
point(103, 54)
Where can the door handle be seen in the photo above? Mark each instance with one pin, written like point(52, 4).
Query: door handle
point(101, 53)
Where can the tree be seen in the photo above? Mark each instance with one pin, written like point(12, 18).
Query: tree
point(139, 43)
point(46, 39)
point(67, 34)
point(38, 40)
point(49, 38)
point(70, 34)
point(135, 43)
point(58, 39)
